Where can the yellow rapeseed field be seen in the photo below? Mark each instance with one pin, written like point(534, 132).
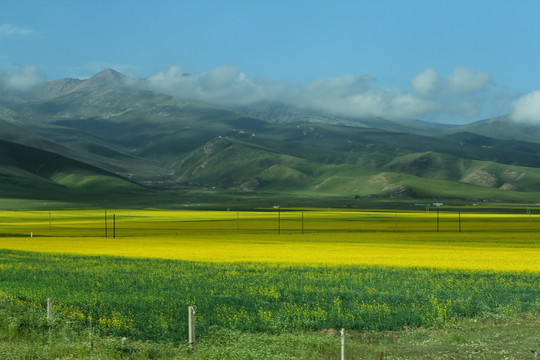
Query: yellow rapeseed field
point(399, 239)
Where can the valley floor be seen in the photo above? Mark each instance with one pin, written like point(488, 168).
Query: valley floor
point(269, 284)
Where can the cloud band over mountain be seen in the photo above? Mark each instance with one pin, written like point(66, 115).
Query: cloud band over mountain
point(462, 94)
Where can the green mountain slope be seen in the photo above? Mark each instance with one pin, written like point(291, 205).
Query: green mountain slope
point(229, 163)
point(89, 135)
point(501, 128)
point(432, 165)
point(108, 109)
point(27, 172)
point(282, 113)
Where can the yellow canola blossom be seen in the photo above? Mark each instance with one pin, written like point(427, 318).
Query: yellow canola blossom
point(489, 242)
point(380, 249)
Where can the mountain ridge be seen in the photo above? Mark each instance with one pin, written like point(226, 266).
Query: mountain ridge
point(115, 124)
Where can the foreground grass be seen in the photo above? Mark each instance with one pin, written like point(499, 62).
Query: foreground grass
point(147, 299)
point(25, 334)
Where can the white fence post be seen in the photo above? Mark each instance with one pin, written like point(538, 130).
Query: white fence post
point(342, 344)
point(191, 327)
point(49, 310)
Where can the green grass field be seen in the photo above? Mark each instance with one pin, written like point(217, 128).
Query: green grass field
point(262, 272)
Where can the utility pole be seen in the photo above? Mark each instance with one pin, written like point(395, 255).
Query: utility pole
point(279, 220)
point(437, 220)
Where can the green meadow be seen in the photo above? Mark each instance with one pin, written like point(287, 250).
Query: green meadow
point(266, 277)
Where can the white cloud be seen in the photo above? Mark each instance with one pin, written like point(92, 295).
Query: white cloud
point(432, 96)
point(426, 83)
point(527, 108)
point(26, 78)
point(167, 79)
point(466, 81)
point(225, 85)
point(348, 95)
point(363, 102)
point(8, 30)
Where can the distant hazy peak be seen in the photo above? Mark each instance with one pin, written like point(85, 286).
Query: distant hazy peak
point(108, 74)
point(107, 77)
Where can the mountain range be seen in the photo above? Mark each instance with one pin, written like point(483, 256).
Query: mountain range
point(110, 136)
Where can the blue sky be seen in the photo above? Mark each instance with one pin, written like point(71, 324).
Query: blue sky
point(448, 61)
